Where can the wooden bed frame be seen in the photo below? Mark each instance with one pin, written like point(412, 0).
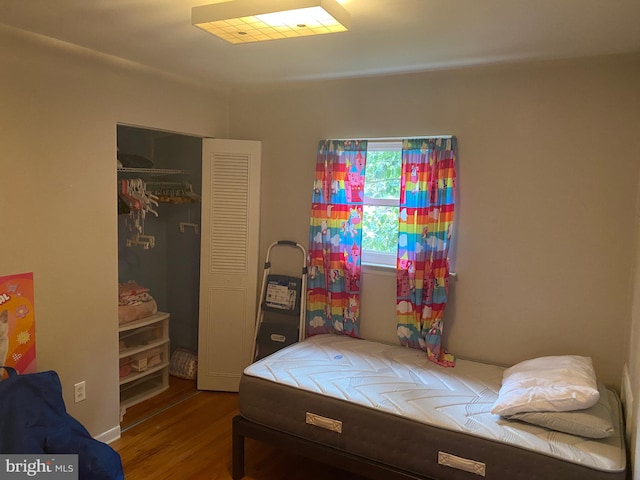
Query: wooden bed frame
point(331, 456)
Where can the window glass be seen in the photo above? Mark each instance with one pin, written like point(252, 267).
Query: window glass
point(380, 210)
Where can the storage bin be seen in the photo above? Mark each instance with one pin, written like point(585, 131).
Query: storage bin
point(144, 358)
point(141, 362)
point(140, 337)
point(143, 388)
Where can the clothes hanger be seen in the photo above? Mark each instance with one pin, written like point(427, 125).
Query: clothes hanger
point(134, 203)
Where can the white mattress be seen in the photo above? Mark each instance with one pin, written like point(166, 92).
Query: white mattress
point(402, 382)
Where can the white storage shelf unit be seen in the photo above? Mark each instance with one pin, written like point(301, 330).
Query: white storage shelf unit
point(144, 358)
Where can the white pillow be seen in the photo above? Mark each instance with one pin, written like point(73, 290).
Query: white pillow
point(594, 422)
point(547, 384)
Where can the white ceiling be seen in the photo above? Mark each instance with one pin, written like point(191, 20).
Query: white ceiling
point(387, 36)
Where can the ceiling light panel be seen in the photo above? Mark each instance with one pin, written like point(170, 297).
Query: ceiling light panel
point(246, 21)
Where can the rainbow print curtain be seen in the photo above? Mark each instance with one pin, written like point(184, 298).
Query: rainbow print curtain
point(335, 238)
point(427, 188)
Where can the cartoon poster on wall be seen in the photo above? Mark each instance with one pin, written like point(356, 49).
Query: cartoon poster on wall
point(17, 323)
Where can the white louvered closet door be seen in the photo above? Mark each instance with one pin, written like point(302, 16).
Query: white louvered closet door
point(228, 261)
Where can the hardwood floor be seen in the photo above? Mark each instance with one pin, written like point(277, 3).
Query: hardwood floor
point(184, 434)
point(179, 389)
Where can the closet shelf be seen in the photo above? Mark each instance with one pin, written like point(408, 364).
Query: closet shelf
point(153, 171)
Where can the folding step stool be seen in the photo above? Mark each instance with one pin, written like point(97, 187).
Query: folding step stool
point(281, 311)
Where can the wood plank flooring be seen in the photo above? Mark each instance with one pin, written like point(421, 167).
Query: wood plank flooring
point(179, 389)
point(184, 434)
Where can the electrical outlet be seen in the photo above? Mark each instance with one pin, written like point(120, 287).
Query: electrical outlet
point(79, 392)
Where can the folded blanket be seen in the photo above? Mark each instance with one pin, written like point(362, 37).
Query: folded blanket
point(134, 303)
point(130, 288)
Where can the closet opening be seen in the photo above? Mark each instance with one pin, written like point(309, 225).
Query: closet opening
point(159, 181)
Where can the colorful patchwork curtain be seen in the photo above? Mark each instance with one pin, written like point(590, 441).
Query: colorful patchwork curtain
point(427, 187)
point(335, 238)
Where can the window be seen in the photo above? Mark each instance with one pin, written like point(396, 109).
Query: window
point(381, 203)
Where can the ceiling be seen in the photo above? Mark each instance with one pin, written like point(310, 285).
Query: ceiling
point(387, 36)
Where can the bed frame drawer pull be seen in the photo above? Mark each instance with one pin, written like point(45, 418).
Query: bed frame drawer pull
point(324, 422)
point(460, 463)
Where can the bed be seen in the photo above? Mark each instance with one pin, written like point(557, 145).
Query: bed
point(384, 412)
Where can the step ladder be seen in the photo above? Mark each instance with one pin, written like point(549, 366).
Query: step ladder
point(281, 311)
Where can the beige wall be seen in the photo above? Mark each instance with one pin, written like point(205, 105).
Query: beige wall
point(548, 175)
point(631, 393)
point(548, 168)
point(59, 106)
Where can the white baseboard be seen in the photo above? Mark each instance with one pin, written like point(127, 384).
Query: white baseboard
point(110, 435)
point(627, 401)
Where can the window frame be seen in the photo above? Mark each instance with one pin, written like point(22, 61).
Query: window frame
point(373, 258)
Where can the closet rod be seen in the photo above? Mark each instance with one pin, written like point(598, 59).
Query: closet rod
point(163, 183)
point(392, 139)
point(157, 171)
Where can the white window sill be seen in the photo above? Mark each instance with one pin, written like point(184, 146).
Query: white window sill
point(377, 269)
